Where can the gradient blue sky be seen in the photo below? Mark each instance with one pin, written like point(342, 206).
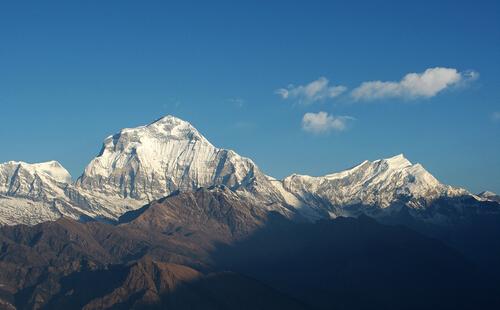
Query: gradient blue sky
point(73, 72)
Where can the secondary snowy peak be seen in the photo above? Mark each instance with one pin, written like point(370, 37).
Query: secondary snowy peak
point(380, 182)
point(390, 164)
point(52, 169)
point(152, 161)
point(33, 193)
point(487, 195)
point(32, 180)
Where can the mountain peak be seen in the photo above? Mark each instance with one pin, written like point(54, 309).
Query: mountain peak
point(165, 128)
point(398, 161)
point(170, 122)
point(169, 119)
point(55, 170)
point(487, 195)
point(52, 168)
point(169, 154)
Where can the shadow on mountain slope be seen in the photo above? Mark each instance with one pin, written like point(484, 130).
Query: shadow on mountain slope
point(352, 263)
point(149, 284)
point(476, 235)
point(203, 250)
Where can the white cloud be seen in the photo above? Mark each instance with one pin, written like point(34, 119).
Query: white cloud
point(323, 122)
point(414, 85)
point(317, 90)
point(496, 116)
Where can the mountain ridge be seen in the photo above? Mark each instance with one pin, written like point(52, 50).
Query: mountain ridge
point(139, 165)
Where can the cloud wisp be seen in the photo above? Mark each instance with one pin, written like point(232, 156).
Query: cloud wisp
point(322, 122)
point(317, 90)
point(414, 85)
point(496, 116)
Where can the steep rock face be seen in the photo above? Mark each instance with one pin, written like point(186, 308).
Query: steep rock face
point(379, 183)
point(150, 162)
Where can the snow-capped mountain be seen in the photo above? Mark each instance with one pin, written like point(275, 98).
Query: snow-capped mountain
point(379, 183)
point(490, 196)
point(33, 193)
point(138, 165)
point(35, 181)
point(150, 162)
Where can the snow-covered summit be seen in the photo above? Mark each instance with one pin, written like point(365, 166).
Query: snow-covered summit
point(33, 193)
point(165, 128)
point(487, 195)
point(31, 180)
point(54, 169)
point(149, 162)
point(396, 162)
point(379, 182)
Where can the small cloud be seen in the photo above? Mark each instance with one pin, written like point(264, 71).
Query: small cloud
point(317, 90)
point(323, 122)
point(496, 116)
point(415, 85)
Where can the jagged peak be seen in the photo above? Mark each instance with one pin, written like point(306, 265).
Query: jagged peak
point(346, 172)
point(397, 161)
point(169, 119)
point(170, 123)
point(487, 194)
point(165, 128)
point(51, 168)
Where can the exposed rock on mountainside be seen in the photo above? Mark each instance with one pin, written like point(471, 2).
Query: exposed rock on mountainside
point(183, 229)
point(66, 263)
point(173, 255)
point(214, 214)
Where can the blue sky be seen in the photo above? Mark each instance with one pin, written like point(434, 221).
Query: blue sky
point(73, 72)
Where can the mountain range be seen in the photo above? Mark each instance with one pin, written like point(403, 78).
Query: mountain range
point(139, 165)
point(161, 218)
